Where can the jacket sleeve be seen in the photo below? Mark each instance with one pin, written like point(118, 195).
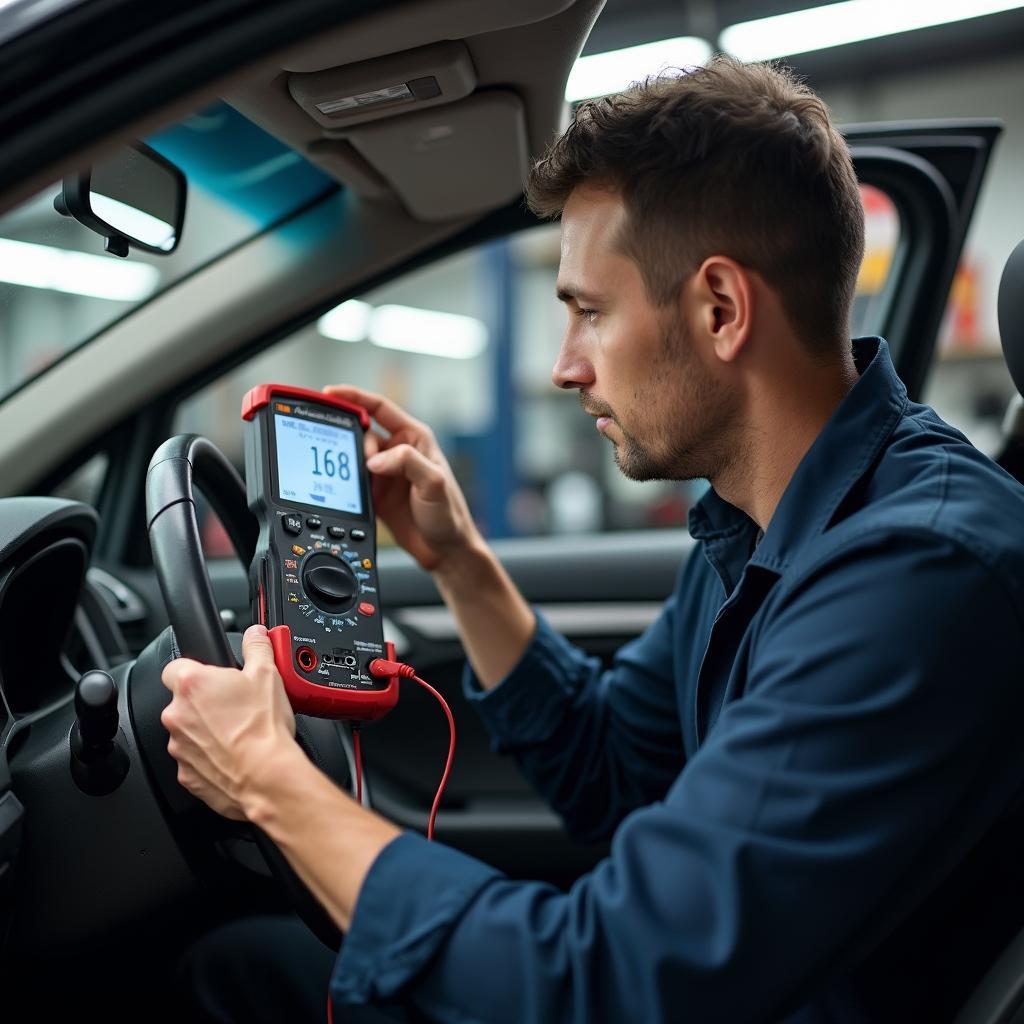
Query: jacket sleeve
point(874, 746)
point(596, 744)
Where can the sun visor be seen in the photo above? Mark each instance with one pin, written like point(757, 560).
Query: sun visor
point(428, 76)
point(455, 160)
point(338, 158)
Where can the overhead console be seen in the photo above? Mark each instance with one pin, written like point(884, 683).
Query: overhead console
point(445, 119)
point(415, 119)
point(340, 98)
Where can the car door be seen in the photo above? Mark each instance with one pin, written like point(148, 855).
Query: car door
point(920, 184)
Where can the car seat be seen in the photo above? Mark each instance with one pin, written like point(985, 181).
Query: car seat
point(1011, 334)
point(999, 998)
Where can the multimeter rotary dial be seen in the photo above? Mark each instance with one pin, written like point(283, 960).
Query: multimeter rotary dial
point(329, 583)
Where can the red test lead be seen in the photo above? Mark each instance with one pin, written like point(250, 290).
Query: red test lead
point(384, 668)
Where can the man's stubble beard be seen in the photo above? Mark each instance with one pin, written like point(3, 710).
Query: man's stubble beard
point(699, 415)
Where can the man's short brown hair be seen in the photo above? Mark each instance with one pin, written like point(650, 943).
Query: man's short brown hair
point(733, 159)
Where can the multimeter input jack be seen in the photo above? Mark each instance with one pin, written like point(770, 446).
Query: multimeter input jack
point(306, 658)
point(342, 658)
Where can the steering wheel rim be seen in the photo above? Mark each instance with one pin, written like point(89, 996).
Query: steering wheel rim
point(177, 466)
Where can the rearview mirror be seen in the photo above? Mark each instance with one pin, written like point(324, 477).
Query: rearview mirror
point(132, 198)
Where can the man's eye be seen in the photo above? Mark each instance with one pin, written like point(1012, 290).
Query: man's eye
point(587, 314)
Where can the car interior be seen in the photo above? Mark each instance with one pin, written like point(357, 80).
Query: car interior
point(406, 131)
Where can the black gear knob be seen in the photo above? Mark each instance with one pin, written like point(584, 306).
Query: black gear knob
point(96, 710)
point(99, 761)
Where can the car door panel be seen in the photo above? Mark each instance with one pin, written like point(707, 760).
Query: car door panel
point(489, 809)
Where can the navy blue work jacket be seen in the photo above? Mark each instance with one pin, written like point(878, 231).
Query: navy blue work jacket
point(808, 766)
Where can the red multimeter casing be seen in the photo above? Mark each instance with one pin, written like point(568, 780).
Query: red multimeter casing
point(314, 576)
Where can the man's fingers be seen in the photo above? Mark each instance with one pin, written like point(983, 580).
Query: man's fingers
point(175, 672)
point(257, 651)
point(372, 442)
point(382, 409)
point(405, 460)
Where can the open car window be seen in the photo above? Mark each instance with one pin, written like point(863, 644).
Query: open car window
point(58, 288)
point(467, 345)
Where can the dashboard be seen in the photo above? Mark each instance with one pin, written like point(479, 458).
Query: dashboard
point(45, 547)
point(71, 862)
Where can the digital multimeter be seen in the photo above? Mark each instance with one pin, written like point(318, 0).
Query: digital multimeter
point(314, 576)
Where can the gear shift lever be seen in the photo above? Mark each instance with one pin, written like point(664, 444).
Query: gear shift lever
point(99, 762)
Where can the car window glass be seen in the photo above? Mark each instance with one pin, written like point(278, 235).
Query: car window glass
point(881, 235)
point(58, 288)
point(467, 345)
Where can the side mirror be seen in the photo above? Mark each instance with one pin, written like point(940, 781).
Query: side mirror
point(132, 198)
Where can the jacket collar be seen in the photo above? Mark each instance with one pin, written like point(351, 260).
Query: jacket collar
point(841, 454)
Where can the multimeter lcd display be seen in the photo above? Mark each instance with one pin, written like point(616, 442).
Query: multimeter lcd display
point(317, 465)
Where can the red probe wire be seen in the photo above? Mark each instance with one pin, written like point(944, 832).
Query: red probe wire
point(357, 756)
point(451, 752)
point(381, 667)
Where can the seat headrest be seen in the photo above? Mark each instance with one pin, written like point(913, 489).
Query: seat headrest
point(1011, 315)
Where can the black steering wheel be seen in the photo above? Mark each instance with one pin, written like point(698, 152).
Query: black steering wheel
point(178, 466)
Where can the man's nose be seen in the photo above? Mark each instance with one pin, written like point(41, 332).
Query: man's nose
point(571, 369)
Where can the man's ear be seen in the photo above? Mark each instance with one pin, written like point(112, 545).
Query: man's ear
point(724, 296)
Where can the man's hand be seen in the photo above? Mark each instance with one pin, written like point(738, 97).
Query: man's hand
point(227, 725)
point(414, 490)
point(417, 496)
point(233, 736)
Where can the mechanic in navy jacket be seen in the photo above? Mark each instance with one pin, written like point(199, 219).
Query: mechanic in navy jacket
point(808, 765)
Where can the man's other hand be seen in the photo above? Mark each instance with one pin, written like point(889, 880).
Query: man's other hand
point(227, 725)
point(414, 490)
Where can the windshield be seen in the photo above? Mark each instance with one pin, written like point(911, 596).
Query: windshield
point(58, 288)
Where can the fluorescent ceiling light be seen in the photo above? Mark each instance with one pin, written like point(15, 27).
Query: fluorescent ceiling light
point(604, 73)
point(423, 331)
point(80, 273)
point(428, 332)
point(348, 322)
point(133, 222)
point(836, 24)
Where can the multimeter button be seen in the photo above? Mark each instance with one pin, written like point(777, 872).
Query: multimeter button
point(313, 522)
point(330, 586)
point(365, 608)
point(358, 535)
point(292, 524)
point(298, 550)
point(336, 531)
